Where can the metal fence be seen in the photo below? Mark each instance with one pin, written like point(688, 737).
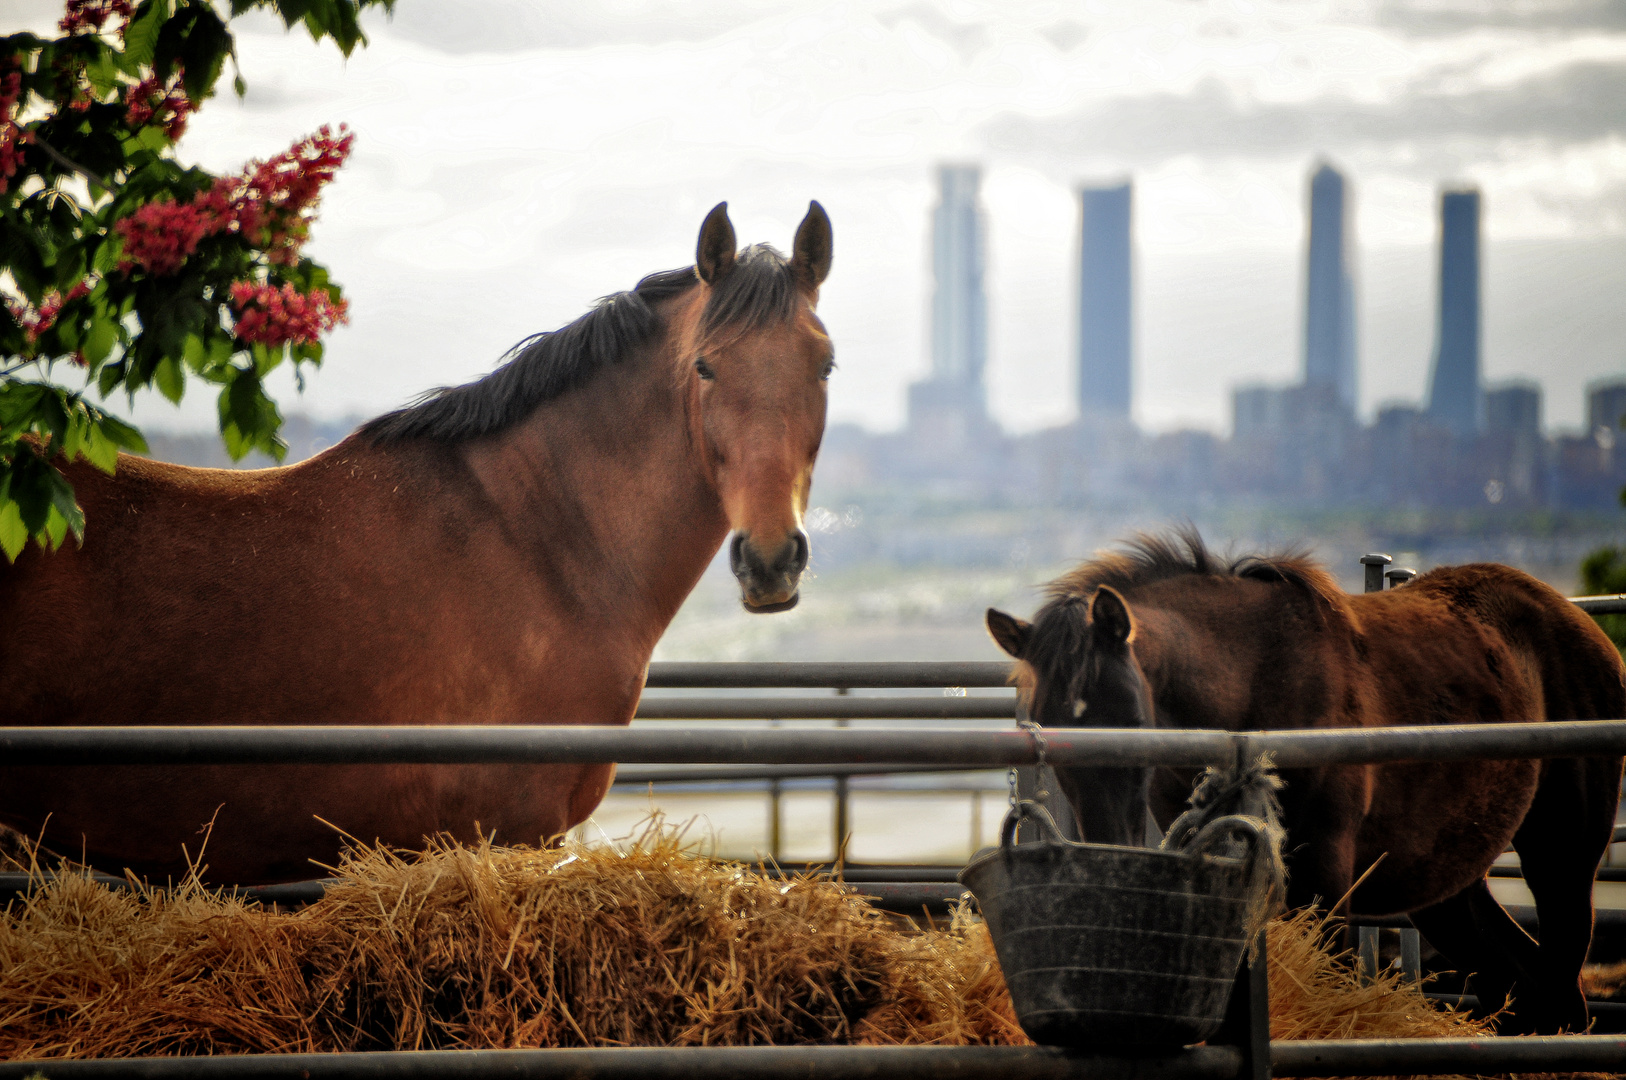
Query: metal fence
point(778, 755)
point(1251, 1056)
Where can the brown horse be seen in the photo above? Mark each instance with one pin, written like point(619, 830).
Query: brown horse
point(506, 551)
point(1166, 635)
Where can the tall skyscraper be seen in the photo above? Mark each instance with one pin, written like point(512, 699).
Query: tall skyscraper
point(1329, 289)
point(1105, 302)
point(959, 308)
point(951, 399)
point(1455, 399)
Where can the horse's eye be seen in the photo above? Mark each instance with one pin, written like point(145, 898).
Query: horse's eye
point(704, 369)
point(829, 367)
point(1078, 708)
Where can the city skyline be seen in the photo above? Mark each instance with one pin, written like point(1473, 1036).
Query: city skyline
point(952, 398)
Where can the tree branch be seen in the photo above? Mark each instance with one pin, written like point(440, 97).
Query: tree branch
point(68, 163)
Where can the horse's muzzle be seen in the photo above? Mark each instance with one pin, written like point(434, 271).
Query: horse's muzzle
point(768, 584)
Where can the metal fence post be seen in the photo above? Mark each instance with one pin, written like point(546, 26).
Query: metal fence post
point(1374, 563)
point(1247, 1015)
point(1399, 576)
point(1411, 954)
point(776, 814)
point(843, 818)
point(1368, 953)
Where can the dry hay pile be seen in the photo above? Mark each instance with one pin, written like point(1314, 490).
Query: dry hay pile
point(1315, 992)
point(643, 944)
point(489, 947)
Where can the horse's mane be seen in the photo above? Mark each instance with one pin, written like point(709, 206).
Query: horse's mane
point(1153, 557)
point(759, 291)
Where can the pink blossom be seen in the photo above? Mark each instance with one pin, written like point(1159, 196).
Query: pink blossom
point(35, 323)
point(90, 15)
point(155, 99)
point(270, 204)
point(12, 135)
point(271, 316)
point(161, 236)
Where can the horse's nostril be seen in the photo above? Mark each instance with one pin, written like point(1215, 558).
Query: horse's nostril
point(798, 557)
point(736, 555)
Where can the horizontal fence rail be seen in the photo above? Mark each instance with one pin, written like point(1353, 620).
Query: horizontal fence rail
point(828, 708)
point(881, 675)
point(559, 744)
point(1319, 1057)
point(1613, 604)
point(734, 774)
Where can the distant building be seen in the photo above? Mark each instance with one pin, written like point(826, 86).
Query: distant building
point(1513, 448)
point(1515, 409)
point(959, 332)
point(1605, 407)
point(1105, 301)
point(1455, 400)
point(1329, 289)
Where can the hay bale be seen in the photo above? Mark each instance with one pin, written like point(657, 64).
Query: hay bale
point(634, 944)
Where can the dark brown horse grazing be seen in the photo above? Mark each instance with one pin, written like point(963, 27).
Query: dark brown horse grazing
point(506, 551)
point(1166, 635)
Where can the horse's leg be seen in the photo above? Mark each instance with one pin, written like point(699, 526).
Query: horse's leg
point(1323, 817)
point(1560, 842)
point(1465, 929)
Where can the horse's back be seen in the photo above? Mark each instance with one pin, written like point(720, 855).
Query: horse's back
point(1557, 647)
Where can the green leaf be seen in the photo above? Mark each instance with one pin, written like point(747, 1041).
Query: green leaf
point(13, 533)
point(292, 11)
point(99, 341)
point(141, 36)
point(30, 489)
point(56, 527)
point(109, 377)
point(99, 450)
point(122, 435)
point(64, 504)
point(152, 137)
point(204, 53)
point(170, 379)
point(103, 72)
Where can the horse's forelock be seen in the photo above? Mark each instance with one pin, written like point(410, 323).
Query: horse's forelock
point(1056, 646)
point(760, 291)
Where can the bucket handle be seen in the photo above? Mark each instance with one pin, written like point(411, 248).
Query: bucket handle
point(1222, 828)
point(1027, 808)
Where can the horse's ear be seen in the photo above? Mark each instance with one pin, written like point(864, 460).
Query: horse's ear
point(1109, 615)
point(814, 244)
point(1009, 632)
point(715, 255)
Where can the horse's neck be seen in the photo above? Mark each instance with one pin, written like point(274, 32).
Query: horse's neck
point(1200, 676)
point(605, 482)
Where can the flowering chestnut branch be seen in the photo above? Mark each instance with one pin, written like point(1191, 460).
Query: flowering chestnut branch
point(121, 268)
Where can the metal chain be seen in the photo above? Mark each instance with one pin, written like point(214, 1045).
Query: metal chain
point(1036, 732)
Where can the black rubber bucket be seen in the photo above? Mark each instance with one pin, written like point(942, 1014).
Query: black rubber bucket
point(1116, 946)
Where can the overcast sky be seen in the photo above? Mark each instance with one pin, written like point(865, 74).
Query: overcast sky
point(514, 160)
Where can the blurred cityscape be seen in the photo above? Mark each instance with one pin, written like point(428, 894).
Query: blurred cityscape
point(916, 531)
point(1297, 447)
